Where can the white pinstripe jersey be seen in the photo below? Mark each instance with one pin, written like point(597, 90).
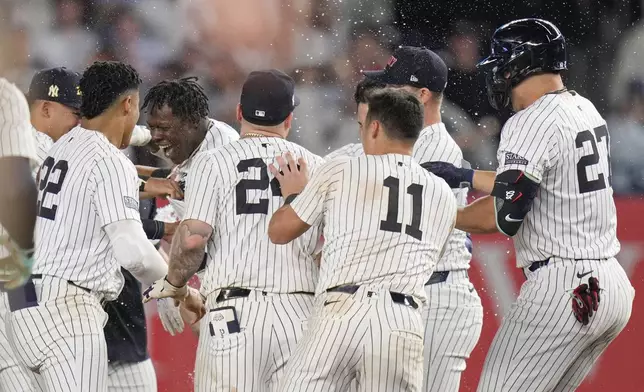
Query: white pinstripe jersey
point(230, 188)
point(385, 218)
point(16, 136)
point(219, 134)
point(85, 183)
point(43, 145)
point(434, 144)
point(562, 142)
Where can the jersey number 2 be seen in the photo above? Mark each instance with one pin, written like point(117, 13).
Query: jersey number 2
point(45, 186)
point(391, 223)
point(586, 185)
point(241, 190)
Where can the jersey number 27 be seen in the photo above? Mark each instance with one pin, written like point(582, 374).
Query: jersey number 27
point(45, 186)
point(601, 134)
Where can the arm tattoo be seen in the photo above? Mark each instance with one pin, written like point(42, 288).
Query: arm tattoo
point(187, 251)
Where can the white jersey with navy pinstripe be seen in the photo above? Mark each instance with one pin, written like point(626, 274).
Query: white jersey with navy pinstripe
point(85, 183)
point(385, 221)
point(219, 134)
point(434, 144)
point(16, 136)
point(230, 188)
point(562, 142)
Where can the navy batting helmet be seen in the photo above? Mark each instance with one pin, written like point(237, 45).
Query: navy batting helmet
point(520, 49)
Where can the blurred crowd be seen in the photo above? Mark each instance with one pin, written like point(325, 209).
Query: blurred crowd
point(324, 44)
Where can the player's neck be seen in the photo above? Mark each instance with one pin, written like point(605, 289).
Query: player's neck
point(432, 115)
point(110, 127)
point(530, 90)
point(390, 147)
point(248, 132)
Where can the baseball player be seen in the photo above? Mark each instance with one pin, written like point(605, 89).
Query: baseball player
point(454, 316)
point(552, 193)
point(258, 295)
point(17, 215)
point(176, 107)
point(88, 223)
point(386, 221)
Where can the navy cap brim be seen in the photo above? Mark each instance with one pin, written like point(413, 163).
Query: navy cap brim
point(296, 101)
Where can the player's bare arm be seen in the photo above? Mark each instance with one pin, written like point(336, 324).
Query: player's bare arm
point(160, 187)
point(20, 193)
point(285, 225)
point(187, 251)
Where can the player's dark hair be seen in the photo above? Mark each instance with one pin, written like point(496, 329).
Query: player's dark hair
point(102, 83)
point(184, 96)
point(365, 87)
point(399, 112)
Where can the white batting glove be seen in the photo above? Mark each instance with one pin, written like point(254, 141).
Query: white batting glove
point(170, 316)
point(164, 289)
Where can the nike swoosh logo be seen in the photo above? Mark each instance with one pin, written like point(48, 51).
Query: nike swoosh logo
point(509, 219)
point(584, 274)
point(330, 302)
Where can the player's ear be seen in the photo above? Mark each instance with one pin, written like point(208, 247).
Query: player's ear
point(288, 121)
point(127, 104)
point(424, 95)
point(45, 109)
point(239, 113)
point(374, 129)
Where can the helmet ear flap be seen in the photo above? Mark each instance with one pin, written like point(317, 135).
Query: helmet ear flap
point(498, 88)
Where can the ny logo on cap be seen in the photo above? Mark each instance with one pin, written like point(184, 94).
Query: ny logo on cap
point(53, 91)
point(260, 113)
point(78, 91)
point(392, 61)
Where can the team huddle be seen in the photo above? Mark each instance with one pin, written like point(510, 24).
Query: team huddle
point(340, 273)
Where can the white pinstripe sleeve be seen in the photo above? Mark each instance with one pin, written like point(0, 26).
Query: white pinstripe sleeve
point(350, 150)
point(527, 146)
point(309, 205)
point(16, 135)
point(116, 193)
point(202, 182)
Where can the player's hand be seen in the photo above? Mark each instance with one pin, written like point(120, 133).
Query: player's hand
point(195, 304)
point(163, 187)
point(170, 316)
point(456, 177)
point(169, 229)
point(585, 300)
point(15, 269)
point(164, 289)
point(292, 176)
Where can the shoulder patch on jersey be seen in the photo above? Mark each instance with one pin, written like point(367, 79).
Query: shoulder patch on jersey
point(131, 202)
point(514, 159)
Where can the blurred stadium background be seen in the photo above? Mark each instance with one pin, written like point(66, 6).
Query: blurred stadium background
point(324, 45)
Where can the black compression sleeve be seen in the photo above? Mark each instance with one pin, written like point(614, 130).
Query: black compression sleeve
point(153, 229)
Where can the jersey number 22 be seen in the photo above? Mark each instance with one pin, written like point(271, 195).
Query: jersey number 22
point(45, 186)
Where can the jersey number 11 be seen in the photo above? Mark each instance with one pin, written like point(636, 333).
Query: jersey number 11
point(391, 223)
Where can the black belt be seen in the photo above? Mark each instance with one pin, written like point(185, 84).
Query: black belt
point(538, 264)
point(25, 296)
point(237, 292)
point(398, 298)
point(437, 277)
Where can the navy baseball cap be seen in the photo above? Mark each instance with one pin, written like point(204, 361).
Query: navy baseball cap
point(57, 85)
point(412, 66)
point(268, 97)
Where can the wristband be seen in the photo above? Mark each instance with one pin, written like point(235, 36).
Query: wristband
point(289, 199)
point(153, 229)
point(142, 180)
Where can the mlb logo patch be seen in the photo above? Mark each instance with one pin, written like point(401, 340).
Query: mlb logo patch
point(260, 113)
point(514, 159)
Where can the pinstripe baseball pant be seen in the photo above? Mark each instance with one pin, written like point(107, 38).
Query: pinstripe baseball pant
point(13, 378)
point(453, 323)
point(363, 337)
point(540, 345)
point(254, 358)
point(132, 377)
point(61, 339)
